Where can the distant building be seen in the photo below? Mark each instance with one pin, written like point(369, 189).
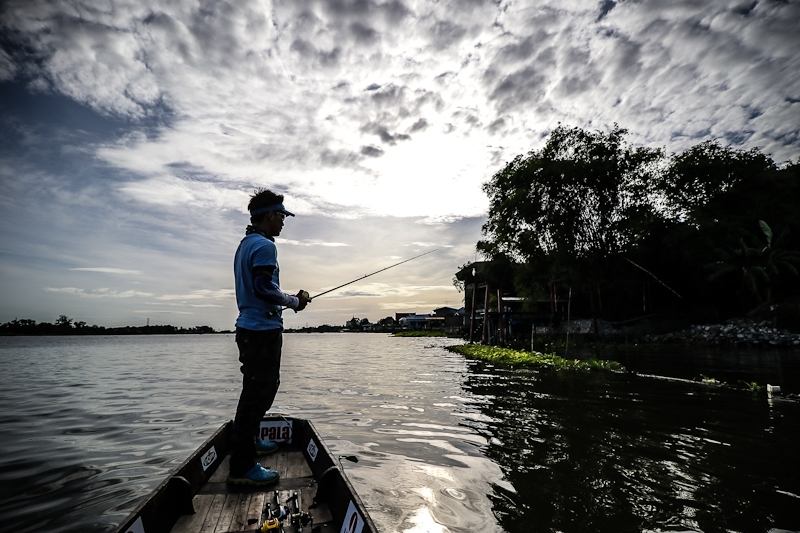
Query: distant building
point(416, 321)
point(493, 311)
point(413, 321)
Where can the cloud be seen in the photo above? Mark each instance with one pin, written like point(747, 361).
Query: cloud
point(544, 62)
point(311, 242)
point(363, 33)
point(318, 57)
point(160, 311)
point(199, 294)
point(8, 68)
point(357, 293)
point(383, 133)
point(186, 304)
point(107, 270)
point(95, 63)
point(383, 290)
point(419, 125)
point(168, 190)
point(371, 151)
point(99, 293)
point(428, 244)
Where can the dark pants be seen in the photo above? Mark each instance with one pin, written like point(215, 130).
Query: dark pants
point(260, 355)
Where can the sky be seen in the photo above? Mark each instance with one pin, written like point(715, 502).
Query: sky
point(133, 133)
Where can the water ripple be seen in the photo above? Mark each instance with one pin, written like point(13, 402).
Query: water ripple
point(91, 425)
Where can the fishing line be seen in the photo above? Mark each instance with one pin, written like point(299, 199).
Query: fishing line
point(372, 274)
point(365, 276)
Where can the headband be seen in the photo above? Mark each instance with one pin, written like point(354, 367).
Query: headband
point(269, 209)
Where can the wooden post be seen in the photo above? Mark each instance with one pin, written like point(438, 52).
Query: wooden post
point(485, 335)
point(472, 311)
point(501, 333)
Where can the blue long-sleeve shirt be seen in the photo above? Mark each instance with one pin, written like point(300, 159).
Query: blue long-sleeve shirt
point(258, 290)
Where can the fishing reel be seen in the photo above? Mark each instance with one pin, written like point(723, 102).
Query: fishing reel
point(289, 514)
point(297, 517)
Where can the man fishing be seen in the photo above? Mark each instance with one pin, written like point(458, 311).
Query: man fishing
point(259, 330)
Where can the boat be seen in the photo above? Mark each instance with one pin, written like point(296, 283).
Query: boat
point(312, 495)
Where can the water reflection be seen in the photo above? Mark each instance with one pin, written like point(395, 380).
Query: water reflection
point(617, 452)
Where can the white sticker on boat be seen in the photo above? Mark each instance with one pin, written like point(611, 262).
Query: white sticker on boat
point(353, 523)
point(136, 527)
point(208, 458)
point(276, 430)
point(312, 450)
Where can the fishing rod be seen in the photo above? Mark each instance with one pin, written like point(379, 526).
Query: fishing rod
point(371, 274)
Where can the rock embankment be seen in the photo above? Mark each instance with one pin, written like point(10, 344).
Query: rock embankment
point(738, 332)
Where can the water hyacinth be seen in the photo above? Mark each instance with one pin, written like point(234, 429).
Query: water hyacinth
point(508, 356)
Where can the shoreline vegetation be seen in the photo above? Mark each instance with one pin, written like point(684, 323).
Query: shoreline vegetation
point(551, 362)
point(522, 358)
point(66, 326)
point(637, 239)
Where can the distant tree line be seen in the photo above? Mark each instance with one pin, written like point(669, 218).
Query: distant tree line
point(710, 233)
point(67, 326)
point(386, 325)
point(325, 328)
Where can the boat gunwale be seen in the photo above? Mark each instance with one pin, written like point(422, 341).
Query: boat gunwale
point(219, 441)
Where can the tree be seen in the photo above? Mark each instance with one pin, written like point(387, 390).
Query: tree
point(567, 208)
point(592, 213)
point(64, 322)
point(575, 198)
point(697, 182)
point(387, 322)
point(757, 267)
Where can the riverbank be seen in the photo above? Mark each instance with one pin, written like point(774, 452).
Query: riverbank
point(700, 354)
point(733, 332)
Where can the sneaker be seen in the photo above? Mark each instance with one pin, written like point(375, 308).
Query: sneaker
point(257, 475)
point(266, 447)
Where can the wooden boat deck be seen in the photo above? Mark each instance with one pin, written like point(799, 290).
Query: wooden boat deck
point(194, 497)
point(221, 508)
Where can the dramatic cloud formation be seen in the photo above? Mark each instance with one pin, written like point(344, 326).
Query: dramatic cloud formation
point(137, 129)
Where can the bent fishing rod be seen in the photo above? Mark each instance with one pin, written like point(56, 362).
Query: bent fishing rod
point(365, 276)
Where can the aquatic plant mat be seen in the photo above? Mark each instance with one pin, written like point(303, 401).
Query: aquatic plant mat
point(507, 356)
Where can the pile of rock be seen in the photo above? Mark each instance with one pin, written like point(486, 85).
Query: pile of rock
point(741, 332)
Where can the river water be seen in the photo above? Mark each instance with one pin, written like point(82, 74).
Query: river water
point(91, 424)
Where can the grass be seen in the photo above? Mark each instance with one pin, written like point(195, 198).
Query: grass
point(753, 386)
point(507, 356)
point(421, 333)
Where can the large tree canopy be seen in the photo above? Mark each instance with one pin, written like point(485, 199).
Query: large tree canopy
point(592, 212)
point(696, 181)
point(577, 197)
